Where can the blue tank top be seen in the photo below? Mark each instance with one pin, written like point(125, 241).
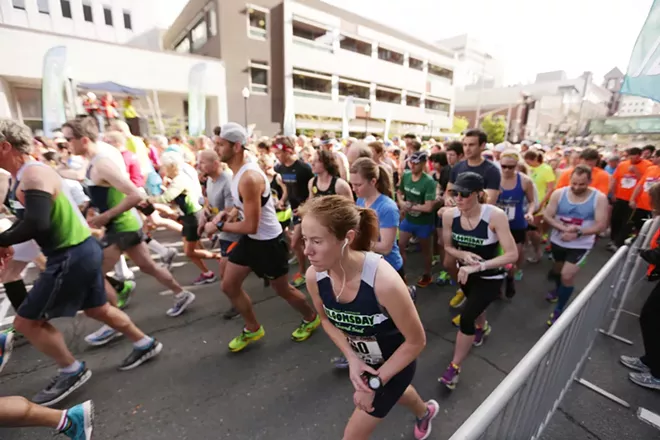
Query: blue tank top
point(581, 214)
point(371, 332)
point(512, 202)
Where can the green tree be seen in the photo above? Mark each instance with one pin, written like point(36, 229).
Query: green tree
point(460, 124)
point(495, 128)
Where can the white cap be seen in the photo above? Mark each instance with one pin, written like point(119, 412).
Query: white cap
point(233, 132)
point(501, 147)
point(369, 139)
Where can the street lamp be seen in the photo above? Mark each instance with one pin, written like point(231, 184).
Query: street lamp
point(367, 109)
point(246, 95)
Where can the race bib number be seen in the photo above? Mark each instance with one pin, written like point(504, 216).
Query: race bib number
point(367, 349)
point(571, 221)
point(628, 182)
point(510, 211)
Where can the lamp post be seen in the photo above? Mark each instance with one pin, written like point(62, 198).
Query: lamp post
point(246, 95)
point(367, 109)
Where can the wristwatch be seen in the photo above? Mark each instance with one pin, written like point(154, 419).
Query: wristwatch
point(220, 225)
point(374, 382)
point(579, 233)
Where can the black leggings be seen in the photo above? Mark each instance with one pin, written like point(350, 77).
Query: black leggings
point(650, 324)
point(480, 293)
point(16, 292)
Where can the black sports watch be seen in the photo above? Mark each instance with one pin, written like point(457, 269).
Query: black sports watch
point(220, 225)
point(373, 382)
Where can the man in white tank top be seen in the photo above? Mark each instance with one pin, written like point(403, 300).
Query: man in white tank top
point(262, 249)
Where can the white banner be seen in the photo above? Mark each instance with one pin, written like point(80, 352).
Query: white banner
point(197, 100)
point(52, 90)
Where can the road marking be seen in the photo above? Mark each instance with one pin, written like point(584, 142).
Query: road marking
point(649, 417)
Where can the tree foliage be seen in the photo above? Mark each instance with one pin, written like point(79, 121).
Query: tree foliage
point(495, 128)
point(460, 124)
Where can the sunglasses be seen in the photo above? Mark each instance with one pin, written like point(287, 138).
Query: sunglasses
point(463, 194)
point(508, 167)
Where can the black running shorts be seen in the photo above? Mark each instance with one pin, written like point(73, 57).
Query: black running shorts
point(267, 258)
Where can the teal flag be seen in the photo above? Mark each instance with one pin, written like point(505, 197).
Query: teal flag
point(643, 75)
point(197, 100)
point(52, 90)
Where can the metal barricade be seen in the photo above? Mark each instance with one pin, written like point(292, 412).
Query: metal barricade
point(522, 405)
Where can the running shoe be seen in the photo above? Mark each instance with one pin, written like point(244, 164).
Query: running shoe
point(61, 386)
point(182, 301)
point(443, 278)
point(423, 426)
point(205, 278)
point(435, 260)
point(80, 421)
point(141, 355)
point(305, 329)
point(480, 334)
point(554, 316)
point(458, 300)
point(230, 314)
point(645, 380)
point(450, 378)
point(102, 336)
point(124, 297)
point(518, 275)
point(551, 296)
point(6, 347)
point(245, 338)
point(456, 321)
point(340, 362)
point(298, 280)
point(634, 363)
point(509, 288)
point(612, 247)
point(168, 259)
point(424, 280)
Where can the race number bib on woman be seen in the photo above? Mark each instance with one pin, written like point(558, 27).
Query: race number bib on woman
point(367, 349)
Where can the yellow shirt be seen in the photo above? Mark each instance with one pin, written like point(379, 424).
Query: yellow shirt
point(135, 145)
point(542, 175)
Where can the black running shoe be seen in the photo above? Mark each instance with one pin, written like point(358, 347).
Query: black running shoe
point(230, 314)
point(141, 355)
point(61, 386)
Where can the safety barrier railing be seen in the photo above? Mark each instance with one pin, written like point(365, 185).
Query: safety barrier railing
point(522, 405)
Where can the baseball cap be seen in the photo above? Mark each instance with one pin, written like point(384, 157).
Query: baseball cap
point(419, 156)
point(233, 132)
point(468, 182)
point(501, 147)
point(283, 147)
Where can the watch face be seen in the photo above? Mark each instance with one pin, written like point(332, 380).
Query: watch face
point(374, 383)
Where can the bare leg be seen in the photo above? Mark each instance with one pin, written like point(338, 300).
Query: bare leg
point(196, 255)
point(294, 297)
point(298, 249)
point(360, 426)
point(404, 239)
point(425, 244)
point(116, 319)
point(140, 255)
point(232, 286)
point(463, 346)
point(16, 412)
point(45, 338)
point(412, 400)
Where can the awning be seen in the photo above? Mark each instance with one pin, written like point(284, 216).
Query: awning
point(112, 88)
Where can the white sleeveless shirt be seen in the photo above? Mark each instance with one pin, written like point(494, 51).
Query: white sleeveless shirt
point(269, 226)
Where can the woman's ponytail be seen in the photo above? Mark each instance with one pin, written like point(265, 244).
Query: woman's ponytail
point(367, 231)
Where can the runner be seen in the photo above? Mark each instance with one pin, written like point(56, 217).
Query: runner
point(326, 180)
point(218, 194)
point(278, 191)
point(349, 284)
point(73, 278)
point(576, 214)
point(517, 189)
point(544, 180)
point(261, 248)
point(296, 176)
point(477, 235)
point(416, 198)
point(640, 201)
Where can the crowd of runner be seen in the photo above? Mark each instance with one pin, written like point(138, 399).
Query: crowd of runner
point(346, 212)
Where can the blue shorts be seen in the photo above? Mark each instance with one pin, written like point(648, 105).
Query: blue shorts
point(419, 231)
point(72, 281)
point(226, 247)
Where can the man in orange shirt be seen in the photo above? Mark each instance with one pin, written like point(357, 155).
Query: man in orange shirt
point(640, 201)
point(600, 180)
point(624, 180)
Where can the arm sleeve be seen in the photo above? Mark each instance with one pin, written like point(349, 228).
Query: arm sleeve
point(35, 222)
point(176, 187)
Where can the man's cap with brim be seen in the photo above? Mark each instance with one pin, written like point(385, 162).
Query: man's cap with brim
point(468, 182)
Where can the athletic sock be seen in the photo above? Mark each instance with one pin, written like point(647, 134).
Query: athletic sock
point(115, 283)
point(65, 423)
point(16, 292)
point(73, 368)
point(158, 248)
point(563, 295)
point(143, 343)
point(121, 268)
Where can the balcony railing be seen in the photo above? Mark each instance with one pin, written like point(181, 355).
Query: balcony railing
point(313, 44)
point(312, 94)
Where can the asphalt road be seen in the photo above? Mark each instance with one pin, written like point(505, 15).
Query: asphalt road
point(276, 389)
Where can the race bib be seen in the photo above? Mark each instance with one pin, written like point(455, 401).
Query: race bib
point(571, 221)
point(510, 211)
point(367, 349)
point(628, 182)
point(214, 211)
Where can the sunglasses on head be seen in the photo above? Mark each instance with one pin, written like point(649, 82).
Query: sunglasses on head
point(508, 167)
point(463, 194)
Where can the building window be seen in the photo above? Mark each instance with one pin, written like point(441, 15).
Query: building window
point(258, 27)
point(107, 15)
point(415, 63)
point(29, 101)
point(306, 81)
point(127, 21)
point(18, 4)
point(87, 12)
point(354, 45)
point(183, 46)
point(212, 21)
point(43, 6)
point(312, 35)
point(198, 35)
point(432, 104)
point(65, 5)
point(385, 94)
point(441, 72)
point(349, 87)
point(390, 55)
point(258, 77)
point(413, 100)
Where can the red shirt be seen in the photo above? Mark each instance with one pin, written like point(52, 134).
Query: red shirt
point(133, 167)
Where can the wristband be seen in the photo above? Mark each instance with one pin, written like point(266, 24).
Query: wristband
point(220, 225)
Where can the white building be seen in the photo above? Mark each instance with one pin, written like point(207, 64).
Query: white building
point(637, 106)
point(97, 35)
point(475, 65)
